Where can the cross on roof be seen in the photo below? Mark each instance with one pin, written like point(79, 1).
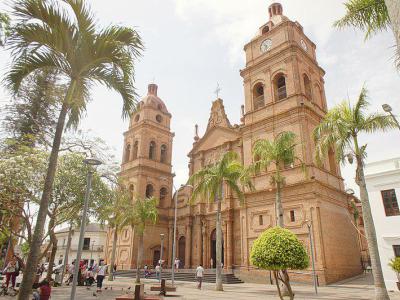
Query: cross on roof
point(217, 90)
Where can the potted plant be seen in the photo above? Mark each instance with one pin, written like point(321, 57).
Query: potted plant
point(395, 265)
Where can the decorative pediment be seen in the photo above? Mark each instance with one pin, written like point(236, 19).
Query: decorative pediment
point(218, 116)
point(214, 138)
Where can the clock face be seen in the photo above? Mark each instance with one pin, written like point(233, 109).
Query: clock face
point(303, 45)
point(266, 45)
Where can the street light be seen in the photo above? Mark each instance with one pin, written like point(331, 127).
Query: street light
point(387, 108)
point(312, 255)
point(161, 254)
point(89, 162)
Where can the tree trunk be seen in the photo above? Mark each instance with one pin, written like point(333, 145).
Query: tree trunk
point(53, 240)
point(218, 278)
point(139, 257)
point(114, 248)
point(34, 252)
point(380, 287)
point(278, 204)
point(67, 252)
point(393, 7)
point(277, 284)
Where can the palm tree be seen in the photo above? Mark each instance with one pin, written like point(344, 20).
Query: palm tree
point(61, 36)
point(280, 152)
point(208, 183)
point(339, 130)
point(143, 212)
point(115, 213)
point(373, 16)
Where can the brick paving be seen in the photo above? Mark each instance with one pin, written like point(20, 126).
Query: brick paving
point(359, 288)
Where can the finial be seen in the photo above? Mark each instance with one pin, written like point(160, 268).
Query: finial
point(152, 89)
point(217, 90)
point(196, 132)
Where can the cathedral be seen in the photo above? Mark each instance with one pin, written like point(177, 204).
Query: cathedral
point(284, 91)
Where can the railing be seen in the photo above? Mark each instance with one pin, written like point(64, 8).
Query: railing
point(259, 102)
point(75, 248)
point(282, 92)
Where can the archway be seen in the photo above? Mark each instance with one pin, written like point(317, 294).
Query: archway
point(156, 257)
point(181, 250)
point(213, 248)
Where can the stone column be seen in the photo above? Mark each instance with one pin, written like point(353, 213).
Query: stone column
point(199, 242)
point(229, 244)
point(225, 243)
point(204, 245)
point(170, 242)
point(188, 246)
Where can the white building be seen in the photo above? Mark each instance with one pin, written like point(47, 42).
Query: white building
point(383, 184)
point(93, 245)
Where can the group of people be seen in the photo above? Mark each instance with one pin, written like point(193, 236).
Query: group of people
point(88, 274)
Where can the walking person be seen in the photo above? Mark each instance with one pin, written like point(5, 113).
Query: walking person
point(71, 270)
point(114, 270)
point(101, 273)
point(158, 270)
point(177, 263)
point(199, 276)
point(10, 271)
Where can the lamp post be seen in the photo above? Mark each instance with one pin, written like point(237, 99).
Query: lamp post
point(387, 108)
point(89, 162)
point(161, 254)
point(312, 255)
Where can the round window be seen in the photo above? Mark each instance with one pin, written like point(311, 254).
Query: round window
point(137, 118)
point(159, 118)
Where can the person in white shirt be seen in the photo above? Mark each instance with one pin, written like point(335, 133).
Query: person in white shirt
point(101, 273)
point(199, 275)
point(158, 269)
point(177, 262)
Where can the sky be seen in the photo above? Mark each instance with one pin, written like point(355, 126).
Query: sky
point(191, 45)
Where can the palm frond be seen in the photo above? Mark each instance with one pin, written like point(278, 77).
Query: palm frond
point(370, 16)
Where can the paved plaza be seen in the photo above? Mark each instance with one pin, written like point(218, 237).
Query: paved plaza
point(359, 288)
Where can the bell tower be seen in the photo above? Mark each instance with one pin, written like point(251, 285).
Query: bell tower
point(284, 85)
point(147, 171)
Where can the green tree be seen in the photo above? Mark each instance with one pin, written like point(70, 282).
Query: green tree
point(209, 184)
point(340, 130)
point(280, 153)
point(4, 27)
point(278, 249)
point(31, 116)
point(49, 35)
point(373, 16)
point(144, 212)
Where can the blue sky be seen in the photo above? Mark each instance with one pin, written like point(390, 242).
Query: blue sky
point(193, 44)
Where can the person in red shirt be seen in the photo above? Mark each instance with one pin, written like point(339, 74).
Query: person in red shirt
point(44, 291)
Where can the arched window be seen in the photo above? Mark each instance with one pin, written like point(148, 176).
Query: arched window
point(135, 150)
point(127, 152)
point(163, 195)
point(152, 150)
point(258, 96)
point(149, 191)
point(265, 29)
point(163, 153)
point(307, 87)
point(280, 87)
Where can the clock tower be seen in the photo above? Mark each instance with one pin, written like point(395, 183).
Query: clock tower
point(284, 91)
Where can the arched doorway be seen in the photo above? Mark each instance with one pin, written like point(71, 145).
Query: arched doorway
point(156, 257)
point(181, 250)
point(213, 242)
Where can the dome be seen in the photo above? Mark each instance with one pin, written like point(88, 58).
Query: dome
point(152, 100)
